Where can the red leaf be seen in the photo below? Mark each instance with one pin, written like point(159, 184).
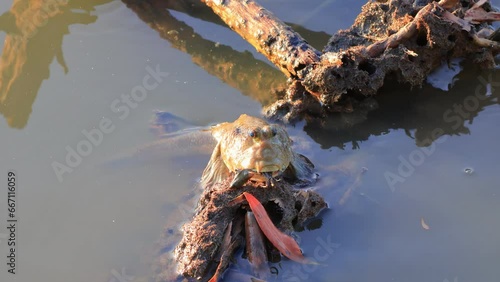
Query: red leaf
point(284, 243)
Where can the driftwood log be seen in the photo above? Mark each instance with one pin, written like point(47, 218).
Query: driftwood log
point(198, 252)
point(400, 38)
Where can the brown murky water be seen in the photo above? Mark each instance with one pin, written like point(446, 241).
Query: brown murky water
point(79, 84)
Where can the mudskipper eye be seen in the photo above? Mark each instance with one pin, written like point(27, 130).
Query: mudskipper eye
point(253, 134)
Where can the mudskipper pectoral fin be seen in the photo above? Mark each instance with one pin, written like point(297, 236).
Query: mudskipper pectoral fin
point(216, 170)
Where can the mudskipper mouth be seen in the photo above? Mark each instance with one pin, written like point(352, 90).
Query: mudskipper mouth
point(267, 175)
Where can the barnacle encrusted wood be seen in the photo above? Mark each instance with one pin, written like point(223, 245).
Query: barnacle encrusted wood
point(387, 40)
point(401, 38)
point(203, 235)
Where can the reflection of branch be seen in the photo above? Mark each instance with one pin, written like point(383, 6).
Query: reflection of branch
point(35, 30)
point(426, 112)
point(239, 70)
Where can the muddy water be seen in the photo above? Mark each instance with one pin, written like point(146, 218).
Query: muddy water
point(66, 115)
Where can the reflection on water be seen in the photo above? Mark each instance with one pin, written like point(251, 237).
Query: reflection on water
point(239, 69)
point(424, 114)
point(35, 31)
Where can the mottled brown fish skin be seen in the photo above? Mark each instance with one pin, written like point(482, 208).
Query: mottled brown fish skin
point(250, 143)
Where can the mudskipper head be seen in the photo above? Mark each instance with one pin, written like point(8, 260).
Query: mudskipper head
point(250, 143)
